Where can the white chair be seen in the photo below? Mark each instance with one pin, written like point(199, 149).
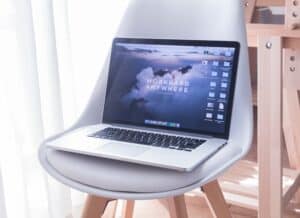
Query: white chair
point(105, 179)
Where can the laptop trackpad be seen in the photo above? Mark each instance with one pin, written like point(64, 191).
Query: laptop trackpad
point(123, 149)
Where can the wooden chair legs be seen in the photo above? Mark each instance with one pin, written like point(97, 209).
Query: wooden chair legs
point(177, 207)
point(128, 208)
point(94, 206)
point(215, 200)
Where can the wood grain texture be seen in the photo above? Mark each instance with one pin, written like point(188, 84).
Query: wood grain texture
point(291, 121)
point(261, 3)
point(292, 14)
point(94, 206)
point(290, 38)
point(270, 126)
point(128, 208)
point(177, 207)
point(249, 9)
point(215, 200)
point(291, 113)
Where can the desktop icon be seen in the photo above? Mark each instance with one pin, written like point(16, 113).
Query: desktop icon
point(213, 84)
point(225, 74)
point(221, 106)
point(216, 63)
point(209, 115)
point(210, 105)
point(211, 94)
point(220, 117)
point(226, 64)
point(224, 85)
point(214, 73)
point(227, 53)
point(223, 95)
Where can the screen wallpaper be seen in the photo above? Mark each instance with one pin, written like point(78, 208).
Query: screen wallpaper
point(174, 86)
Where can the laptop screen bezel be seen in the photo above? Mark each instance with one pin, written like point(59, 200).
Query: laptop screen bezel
point(205, 43)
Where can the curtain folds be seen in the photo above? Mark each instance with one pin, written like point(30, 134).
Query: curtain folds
point(51, 54)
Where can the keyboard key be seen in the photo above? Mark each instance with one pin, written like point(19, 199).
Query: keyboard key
point(152, 139)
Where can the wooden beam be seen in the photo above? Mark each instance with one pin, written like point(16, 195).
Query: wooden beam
point(287, 196)
point(291, 71)
point(177, 207)
point(215, 200)
point(292, 14)
point(261, 3)
point(256, 29)
point(291, 124)
point(292, 43)
point(291, 111)
point(128, 208)
point(290, 38)
point(249, 10)
point(270, 126)
point(114, 205)
point(94, 206)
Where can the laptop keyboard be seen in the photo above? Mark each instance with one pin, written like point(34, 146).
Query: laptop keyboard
point(151, 139)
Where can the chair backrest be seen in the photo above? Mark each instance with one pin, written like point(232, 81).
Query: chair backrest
point(195, 20)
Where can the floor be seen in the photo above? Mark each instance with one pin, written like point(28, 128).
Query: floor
point(153, 209)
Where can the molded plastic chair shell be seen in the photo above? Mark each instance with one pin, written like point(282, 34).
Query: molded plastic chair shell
point(169, 19)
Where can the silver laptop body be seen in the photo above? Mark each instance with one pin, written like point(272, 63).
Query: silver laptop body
point(168, 104)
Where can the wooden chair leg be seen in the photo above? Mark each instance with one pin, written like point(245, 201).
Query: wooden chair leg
point(94, 206)
point(215, 200)
point(128, 208)
point(177, 207)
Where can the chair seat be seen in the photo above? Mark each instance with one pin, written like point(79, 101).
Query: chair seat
point(116, 175)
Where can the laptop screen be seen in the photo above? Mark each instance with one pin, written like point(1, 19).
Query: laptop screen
point(172, 84)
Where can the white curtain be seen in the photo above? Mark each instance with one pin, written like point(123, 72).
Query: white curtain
point(51, 53)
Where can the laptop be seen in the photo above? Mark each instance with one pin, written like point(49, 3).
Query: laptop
point(168, 104)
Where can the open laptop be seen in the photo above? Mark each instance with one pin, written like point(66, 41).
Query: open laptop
point(168, 103)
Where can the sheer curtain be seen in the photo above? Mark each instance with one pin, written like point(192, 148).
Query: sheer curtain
point(51, 53)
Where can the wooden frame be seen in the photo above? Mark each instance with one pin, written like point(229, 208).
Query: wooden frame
point(262, 3)
point(291, 108)
point(95, 206)
point(249, 9)
point(274, 108)
point(266, 186)
point(177, 207)
point(292, 14)
point(269, 126)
